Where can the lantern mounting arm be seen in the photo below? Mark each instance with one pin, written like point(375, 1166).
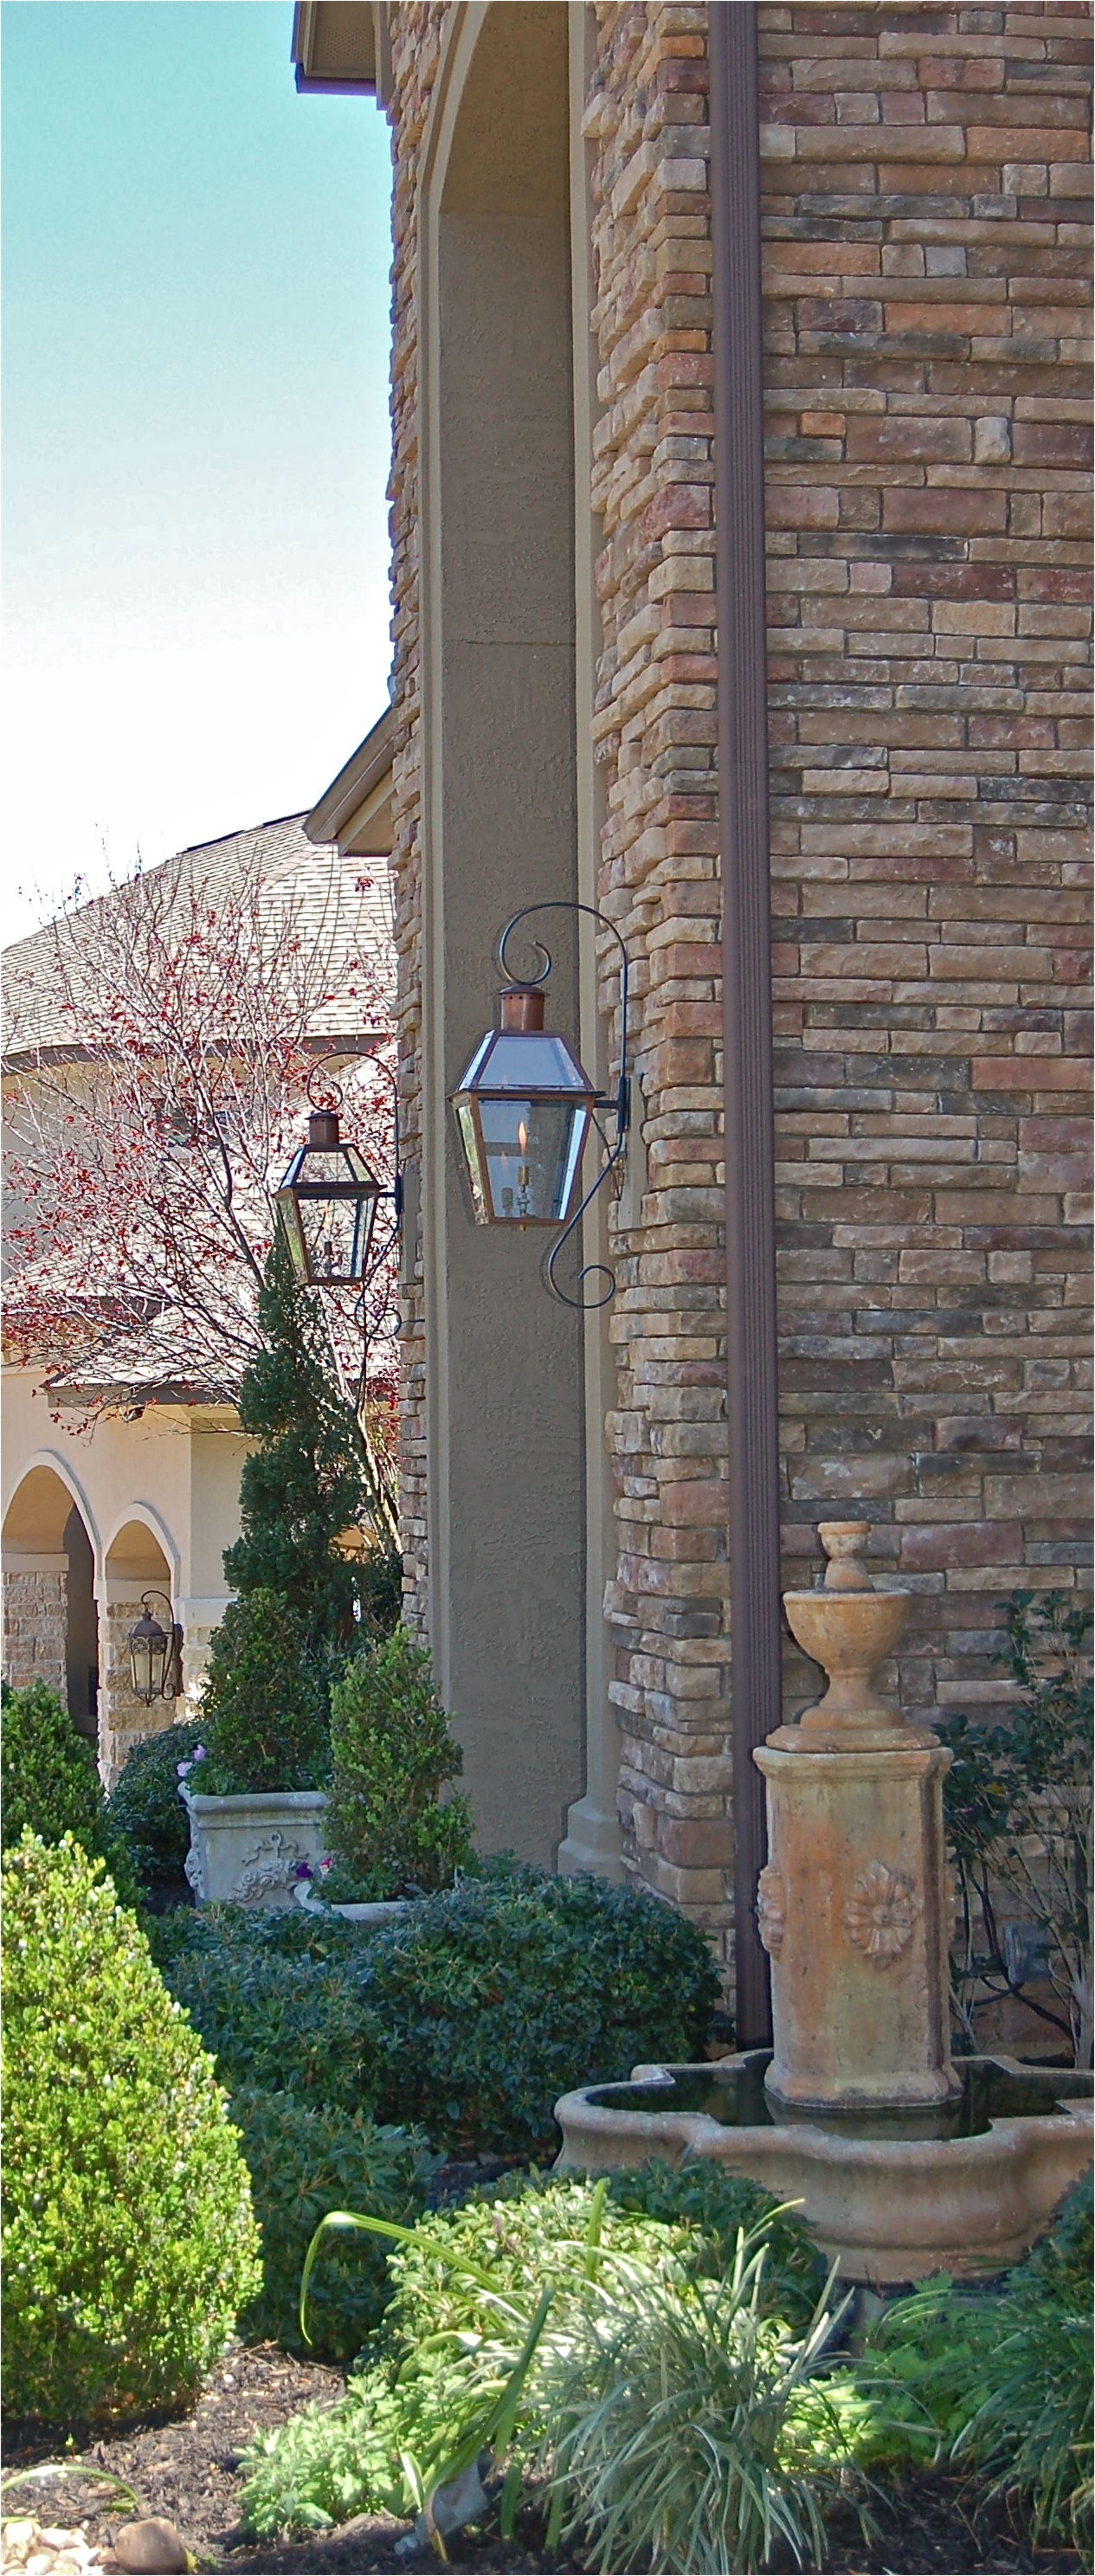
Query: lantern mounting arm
point(619, 1100)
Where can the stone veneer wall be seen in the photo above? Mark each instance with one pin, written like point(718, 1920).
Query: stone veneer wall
point(35, 1624)
point(928, 280)
point(924, 268)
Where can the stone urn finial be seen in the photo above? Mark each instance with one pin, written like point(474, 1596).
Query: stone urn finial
point(849, 1628)
point(843, 1542)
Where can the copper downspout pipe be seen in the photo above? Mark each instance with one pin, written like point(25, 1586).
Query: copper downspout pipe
point(756, 1697)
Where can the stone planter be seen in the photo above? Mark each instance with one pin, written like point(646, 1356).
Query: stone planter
point(246, 1851)
point(388, 1909)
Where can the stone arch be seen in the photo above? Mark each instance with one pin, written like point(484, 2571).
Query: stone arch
point(507, 1511)
point(50, 1552)
point(140, 1556)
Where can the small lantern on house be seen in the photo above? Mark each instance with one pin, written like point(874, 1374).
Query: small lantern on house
point(327, 1199)
point(155, 1653)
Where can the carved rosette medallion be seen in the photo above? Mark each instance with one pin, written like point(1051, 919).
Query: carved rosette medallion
point(880, 1911)
point(771, 1910)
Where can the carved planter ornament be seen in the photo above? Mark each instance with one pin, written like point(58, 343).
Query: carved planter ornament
point(880, 1911)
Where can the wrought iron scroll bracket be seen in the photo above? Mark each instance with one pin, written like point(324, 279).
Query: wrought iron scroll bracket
point(619, 1101)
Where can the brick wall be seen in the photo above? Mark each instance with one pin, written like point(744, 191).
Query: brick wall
point(925, 271)
point(415, 29)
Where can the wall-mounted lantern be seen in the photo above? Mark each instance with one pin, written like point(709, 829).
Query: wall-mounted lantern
point(155, 1653)
point(524, 1108)
point(327, 1200)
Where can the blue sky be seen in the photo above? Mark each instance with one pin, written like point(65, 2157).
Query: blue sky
point(196, 314)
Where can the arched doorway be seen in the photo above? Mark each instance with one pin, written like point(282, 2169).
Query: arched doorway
point(505, 1389)
point(135, 1563)
point(51, 1628)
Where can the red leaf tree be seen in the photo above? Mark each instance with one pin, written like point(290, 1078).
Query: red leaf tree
point(159, 1043)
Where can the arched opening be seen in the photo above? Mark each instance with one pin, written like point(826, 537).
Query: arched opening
point(81, 1629)
point(507, 1531)
point(51, 1625)
point(135, 1563)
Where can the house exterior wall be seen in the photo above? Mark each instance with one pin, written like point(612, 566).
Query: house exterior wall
point(925, 266)
point(159, 1500)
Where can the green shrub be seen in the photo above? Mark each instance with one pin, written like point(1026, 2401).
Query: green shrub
point(503, 1995)
point(392, 1753)
point(1017, 1806)
point(1004, 2376)
point(278, 2023)
point(264, 1711)
point(50, 1785)
point(528, 2277)
point(465, 2288)
point(304, 1482)
point(144, 1806)
point(380, 1591)
point(304, 2161)
point(720, 2205)
point(467, 2019)
point(129, 2240)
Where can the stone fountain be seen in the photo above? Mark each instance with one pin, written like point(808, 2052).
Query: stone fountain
point(904, 2162)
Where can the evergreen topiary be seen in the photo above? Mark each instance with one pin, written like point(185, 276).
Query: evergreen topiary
point(50, 1785)
point(281, 1643)
point(304, 1485)
point(129, 2241)
point(392, 1752)
point(265, 1702)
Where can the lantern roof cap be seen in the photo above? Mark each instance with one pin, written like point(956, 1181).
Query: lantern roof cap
point(527, 1061)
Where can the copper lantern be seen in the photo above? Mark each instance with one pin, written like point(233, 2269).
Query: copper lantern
point(327, 1201)
point(523, 1109)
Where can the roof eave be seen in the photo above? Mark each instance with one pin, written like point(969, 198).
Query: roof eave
point(338, 47)
point(342, 801)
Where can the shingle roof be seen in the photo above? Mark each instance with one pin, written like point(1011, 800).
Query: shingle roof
point(344, 900)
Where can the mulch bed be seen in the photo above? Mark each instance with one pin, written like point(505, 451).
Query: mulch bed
point(933, 2525)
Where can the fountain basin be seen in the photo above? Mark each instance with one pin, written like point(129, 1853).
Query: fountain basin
point(891, 2196)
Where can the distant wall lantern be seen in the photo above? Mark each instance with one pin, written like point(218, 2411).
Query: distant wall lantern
point(327, 1201)
point(155, 1653)
point(524, 1108)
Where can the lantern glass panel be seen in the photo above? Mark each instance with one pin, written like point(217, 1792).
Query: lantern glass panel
point(532, 1150)
point(470, 1143)
point(336, 1235)
point(149, 1647)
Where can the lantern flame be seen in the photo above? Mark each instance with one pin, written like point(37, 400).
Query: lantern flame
point(522, 1137)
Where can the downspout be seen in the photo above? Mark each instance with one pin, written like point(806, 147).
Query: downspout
point(752, 1395)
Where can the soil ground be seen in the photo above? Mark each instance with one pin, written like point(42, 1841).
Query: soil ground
point(188, 2470)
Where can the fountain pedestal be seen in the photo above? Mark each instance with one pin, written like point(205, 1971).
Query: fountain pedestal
point(902, 2165)
point(853, 1904)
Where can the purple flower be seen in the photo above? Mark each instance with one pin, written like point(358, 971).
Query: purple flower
point(182, 1768)
point(302, 1870)
point(199, 1753)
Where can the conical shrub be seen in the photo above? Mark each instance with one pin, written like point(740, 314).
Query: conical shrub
point(129, 2243)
